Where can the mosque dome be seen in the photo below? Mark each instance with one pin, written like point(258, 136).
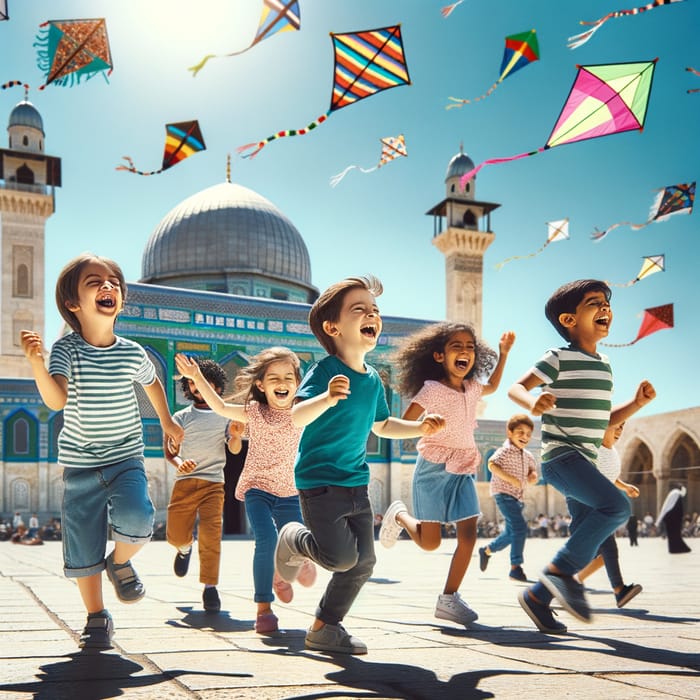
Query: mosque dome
point(459, 165)
point(228, 238)
point(26, 114)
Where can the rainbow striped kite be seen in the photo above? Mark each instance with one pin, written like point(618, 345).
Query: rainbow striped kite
point(365, 63)
point(182, 139)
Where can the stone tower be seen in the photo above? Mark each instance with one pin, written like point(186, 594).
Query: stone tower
point(27, 181)
point(462, 233)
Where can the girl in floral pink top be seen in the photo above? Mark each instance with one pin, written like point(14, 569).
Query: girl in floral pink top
point(440, 367)
point(267, 387)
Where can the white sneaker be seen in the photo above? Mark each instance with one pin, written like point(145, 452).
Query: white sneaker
point(451, 606)
point(390, 530)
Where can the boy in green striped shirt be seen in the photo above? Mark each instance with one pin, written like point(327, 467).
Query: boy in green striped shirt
point(576, 408)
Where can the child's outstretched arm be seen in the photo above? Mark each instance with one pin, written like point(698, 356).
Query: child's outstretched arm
point(309, 410)
point(630, 489)
point(644, 394)
point(53, 388)
point(235, 437)
point(536, 405)
point(156, 395)
point(504, 346)
point(187, 367)
point(400, 428)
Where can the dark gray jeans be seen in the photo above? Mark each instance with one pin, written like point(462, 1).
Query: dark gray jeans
point(339, 536)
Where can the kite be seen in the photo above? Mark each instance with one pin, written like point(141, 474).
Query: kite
point(521, 50)
point(366, 63)
point(655, 319)
point(650, 265)
point(556, 231)
point(4, 13)
point(73, 49)
point(604, 99)
point(581, 39)
point(277, 16)
point(392, 147)
point(447, 10)
point(694, 72)
point(674, 199)
point(182, 139)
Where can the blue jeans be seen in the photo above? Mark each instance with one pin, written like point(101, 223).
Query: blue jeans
point(597, 508)
point(339, 536)
point(95, 499)
point(267, 514)
point(516, 528)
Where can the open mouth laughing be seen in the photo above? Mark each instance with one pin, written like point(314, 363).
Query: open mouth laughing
point(107, 302)
point(369, 331)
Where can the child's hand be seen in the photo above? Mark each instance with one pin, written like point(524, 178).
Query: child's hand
point(631, 490)
point(32, 345)
point(645, 393)
point(174, 432)
point(532, 478)
point(506, 342)
point(338, 389)
point(236, 429)
point(186, 366)
point(431, 424)
point(186, 466)
point(545, 402)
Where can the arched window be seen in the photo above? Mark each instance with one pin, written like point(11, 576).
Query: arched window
point(469, 220)
point(25, 140)
point(20, 495)
point(25, 175)
point(22, 285)
point(21, 437)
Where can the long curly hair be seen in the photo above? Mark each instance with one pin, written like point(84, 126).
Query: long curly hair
point(245, 387)
point(416, 364)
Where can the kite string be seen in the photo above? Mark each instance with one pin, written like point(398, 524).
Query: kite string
point(492, 161)
point(259, 145)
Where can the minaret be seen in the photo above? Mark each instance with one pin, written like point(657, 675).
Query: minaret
point(462, 233)
point(27, 181)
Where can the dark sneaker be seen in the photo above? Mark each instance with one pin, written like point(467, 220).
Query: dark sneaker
point(211, 600)
point(517, 574)
point(483, 558)
point(288, 561)
point(540, 614)
point(627, 593)
point(98, 631)
point(182, 563)
point(334, 639)
point(126, 582)
point(569, 593)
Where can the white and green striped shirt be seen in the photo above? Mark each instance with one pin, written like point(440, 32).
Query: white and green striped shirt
point(101, 419)
point(583, 386)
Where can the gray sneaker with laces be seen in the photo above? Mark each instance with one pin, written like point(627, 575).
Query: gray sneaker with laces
point(288, 561)
point(334, 639)
point(451, 606)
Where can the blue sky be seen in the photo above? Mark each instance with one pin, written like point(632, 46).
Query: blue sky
point(376, 223)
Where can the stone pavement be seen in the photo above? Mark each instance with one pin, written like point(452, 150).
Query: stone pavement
point(167, 647)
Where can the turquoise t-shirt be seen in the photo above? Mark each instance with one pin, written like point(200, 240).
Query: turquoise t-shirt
point(333, 448)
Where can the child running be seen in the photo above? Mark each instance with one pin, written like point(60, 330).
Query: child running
point(266, 485)
point(91, 377)
point(339, 402)
point(440, 367)
point(609, 464)
point(512, 467)
point(575, 406)
point(199, 485)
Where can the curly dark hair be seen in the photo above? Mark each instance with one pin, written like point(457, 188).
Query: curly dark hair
point(212, 371)
point(416, 363)
point(245, 387)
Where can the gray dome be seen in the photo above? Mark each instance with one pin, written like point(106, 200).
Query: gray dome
point(459, 165)
point(226, 230)
point(26, 114)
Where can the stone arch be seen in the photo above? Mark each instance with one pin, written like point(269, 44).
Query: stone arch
point(638, 469)
point(681, 462)
point(20, 495)
point(56, 494)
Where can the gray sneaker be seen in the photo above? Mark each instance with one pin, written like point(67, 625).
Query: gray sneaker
point(334, 639)
point(451, 606)
point(569, 593)
point(288, 561)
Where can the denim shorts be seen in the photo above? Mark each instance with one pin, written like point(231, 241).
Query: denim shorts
point(97, 499)
point(443, 497)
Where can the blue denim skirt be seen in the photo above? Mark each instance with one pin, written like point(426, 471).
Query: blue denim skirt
point(439, 496)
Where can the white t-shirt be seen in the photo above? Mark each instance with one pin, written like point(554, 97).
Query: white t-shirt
point(608, 463)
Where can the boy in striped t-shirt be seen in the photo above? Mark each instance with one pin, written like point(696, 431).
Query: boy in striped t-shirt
point(575, 406)
point(91, 377)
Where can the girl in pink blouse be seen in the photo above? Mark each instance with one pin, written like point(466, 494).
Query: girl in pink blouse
point(267, 387)
point(439, 367)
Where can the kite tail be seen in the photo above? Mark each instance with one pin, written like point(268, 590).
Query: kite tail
point(196, 68)
point(335, 179)
point(599, 235)
point(129, 167)
point(618, 345)
point(499, 265)
point(461, 102)
point(448, 9)
point(14, 83)
point(580, 39)
point(693, 71)
point(492, 161)
point(257, 147)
